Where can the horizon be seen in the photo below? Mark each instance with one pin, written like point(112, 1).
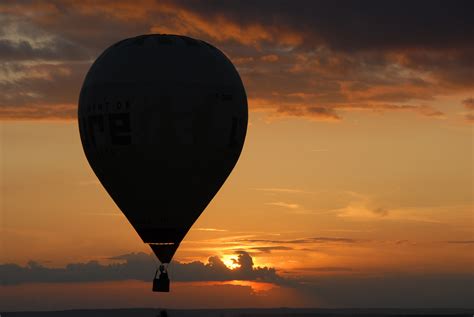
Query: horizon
point(275, 312)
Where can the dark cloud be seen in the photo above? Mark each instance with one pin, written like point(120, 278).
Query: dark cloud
point(422, 110)
point(380, 211)
point(348, 25)
point(400, 242)
point(470, 117)
point(312, 112)
point(138, 266)
point(271, 249)
point(328, 269)
point(308, 59)
point(40, 90)
point(468, 103)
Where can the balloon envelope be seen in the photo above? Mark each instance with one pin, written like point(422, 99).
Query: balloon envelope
point(162, 120)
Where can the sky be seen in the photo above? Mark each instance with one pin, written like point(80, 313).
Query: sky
point(354, 187)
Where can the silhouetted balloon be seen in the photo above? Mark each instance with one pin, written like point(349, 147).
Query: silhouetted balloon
point(162, 120)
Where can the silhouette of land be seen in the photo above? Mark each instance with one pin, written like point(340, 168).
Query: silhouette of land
point(274, 312)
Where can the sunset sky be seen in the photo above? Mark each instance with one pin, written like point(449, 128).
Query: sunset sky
point(354, 188)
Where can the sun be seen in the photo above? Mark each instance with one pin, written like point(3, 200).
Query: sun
point(230, 260)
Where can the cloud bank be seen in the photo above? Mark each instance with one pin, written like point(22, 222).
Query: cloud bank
point(413, 290)
point(138, 266)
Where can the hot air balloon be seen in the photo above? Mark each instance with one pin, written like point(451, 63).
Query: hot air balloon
point(162, 120)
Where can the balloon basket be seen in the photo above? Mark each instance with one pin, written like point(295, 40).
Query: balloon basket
point(162, 283)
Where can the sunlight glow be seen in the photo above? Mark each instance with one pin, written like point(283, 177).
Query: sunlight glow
point(230, 260)
point(257, 287)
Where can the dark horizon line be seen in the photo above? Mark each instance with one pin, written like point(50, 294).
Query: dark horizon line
point(313, 309)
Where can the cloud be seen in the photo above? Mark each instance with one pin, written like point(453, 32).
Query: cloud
point(362, 211)
point(265, 249)
point(404, 241)
point(281, 190)
point(468, 103)
point(469, 117)
point(284, 205)
point(54, 50)
point(304, 240)
point(317, 113)
point(269, 58)
point(209, 229)
point(352, 26)
point(312, 60)
point(40, 90)
point(138, 266)
point(366, 208)
point(380, 211)
point(341, 289)
point(329, 269)
point(423, 110)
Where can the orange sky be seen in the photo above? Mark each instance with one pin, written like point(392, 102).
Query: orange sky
point(357, 162)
